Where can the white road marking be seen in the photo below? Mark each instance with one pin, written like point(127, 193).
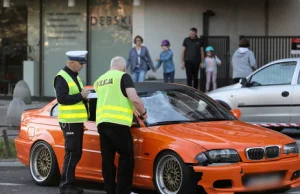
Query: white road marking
point(10, 184)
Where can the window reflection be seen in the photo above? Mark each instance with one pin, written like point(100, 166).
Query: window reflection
point(18, 42)
point(277, 74)
point(110, 32)
point(180, 105)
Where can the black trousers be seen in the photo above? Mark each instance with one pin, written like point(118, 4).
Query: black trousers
point(73, 135)
point(192, 73)
point(116, 138)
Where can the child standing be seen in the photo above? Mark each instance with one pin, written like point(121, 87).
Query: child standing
point(166, 57)
point(210, 64)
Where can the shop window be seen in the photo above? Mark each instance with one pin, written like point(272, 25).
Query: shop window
point(18, 41)
point(110, 33)
point(64, 30)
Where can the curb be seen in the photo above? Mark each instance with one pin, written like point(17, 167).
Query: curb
point(10, 163)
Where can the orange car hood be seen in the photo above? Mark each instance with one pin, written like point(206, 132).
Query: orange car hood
point(225, 134)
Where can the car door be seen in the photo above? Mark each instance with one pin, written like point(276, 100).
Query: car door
point(268, 95)
point(91, 160)
point(295, 115)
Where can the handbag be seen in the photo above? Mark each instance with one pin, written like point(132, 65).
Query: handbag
point(142, 57)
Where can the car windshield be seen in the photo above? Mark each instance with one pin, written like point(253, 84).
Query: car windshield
point(180, 106)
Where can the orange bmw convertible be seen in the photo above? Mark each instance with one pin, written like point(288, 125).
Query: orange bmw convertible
point(188, 144)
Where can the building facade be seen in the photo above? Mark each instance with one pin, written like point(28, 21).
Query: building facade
point(35, 34)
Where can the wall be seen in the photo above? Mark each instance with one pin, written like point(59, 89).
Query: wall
point(168, 19)
point(284, 18)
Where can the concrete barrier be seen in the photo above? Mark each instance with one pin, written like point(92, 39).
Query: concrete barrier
point(14, 111)
point(22, 92)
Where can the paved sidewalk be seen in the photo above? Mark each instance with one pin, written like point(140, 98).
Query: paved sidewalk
point(10, 163)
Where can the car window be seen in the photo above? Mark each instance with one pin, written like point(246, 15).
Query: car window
point(54, 111)
point(276, 74)
point(180, 106)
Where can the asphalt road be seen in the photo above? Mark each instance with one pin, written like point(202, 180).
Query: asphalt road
point(17, 180)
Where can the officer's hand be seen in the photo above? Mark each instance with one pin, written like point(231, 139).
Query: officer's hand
point(182, 65)
point(201, 65)
point(85, 93)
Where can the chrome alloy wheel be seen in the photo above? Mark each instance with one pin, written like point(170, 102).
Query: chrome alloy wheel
point(40, 162)
point(169, 175)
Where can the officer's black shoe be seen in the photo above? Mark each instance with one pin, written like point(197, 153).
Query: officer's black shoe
point(61, 190)
point(73, 190)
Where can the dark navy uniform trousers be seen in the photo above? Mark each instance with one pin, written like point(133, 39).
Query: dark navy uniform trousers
point(73, 134)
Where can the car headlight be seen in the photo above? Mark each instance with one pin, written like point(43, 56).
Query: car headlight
point(218, 156)
point(291, 148)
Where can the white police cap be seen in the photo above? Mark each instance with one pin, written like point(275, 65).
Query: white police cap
point(77, 56)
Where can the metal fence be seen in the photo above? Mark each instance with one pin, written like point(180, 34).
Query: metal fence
point(270, 48)
point(221, 46)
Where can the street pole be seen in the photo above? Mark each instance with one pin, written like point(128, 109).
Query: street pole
point(6, 142)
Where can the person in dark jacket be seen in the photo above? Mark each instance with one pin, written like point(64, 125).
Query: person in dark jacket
point(72, 113)
point(192, 54)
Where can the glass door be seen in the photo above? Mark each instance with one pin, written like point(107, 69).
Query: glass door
point(110, 33)
point(64, 30)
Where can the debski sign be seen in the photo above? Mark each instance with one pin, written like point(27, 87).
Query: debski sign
point(123, 22)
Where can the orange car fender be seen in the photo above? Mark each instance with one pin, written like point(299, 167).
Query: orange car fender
point(188, 152)
point(186, 149)
point(44, 136)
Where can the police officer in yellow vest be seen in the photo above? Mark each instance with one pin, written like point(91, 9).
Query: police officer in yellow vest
point(72, 113)
point(116, 99)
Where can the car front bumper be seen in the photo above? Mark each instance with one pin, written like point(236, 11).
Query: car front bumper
point(236, 172)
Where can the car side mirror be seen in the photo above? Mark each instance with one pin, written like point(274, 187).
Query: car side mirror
point(244, 82)
point(236, 113)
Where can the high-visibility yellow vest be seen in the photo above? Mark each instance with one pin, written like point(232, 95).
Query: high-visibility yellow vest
point(76, 113)
point(112, 105)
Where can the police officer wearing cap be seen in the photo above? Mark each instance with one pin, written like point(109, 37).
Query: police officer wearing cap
point(117, 98)
point(72, 113)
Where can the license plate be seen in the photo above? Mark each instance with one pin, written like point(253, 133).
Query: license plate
point(263, 181)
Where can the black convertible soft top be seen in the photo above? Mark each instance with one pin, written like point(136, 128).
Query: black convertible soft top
point(144, 87)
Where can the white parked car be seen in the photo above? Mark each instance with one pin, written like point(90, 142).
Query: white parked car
point(269, 97)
